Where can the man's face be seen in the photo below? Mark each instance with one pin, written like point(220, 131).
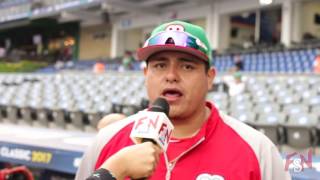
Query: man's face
point(181, 79)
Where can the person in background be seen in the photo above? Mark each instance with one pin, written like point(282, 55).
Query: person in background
point(2, 52)
point(59, 64)
point(238, 63)
point(127, 61)
point(99, 67)
point(316, 63)
point(67, 56)
point(235, 84)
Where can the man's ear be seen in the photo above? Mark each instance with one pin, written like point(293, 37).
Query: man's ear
point(145, 69)
point(211, 75)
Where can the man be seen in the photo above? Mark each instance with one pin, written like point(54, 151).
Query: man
point(206, 143)
point(235, 84)
point(238, 63)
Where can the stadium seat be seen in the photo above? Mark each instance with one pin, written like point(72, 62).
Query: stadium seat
point(220, 99)
point(43, 116)
point(128, 109)
point(307, 95)
point(313, 82)
point(284, 97)
point(241, 106)
point(77, 119)
point(245, 116)
point(2, 113)
point(59, 118)
point(301, 130)
point(94, 117)
point(270, 123)
point(240, 98)
point(26, 115)
point(262, 97)
point(256, 86)
point(12, 114)
point(217, 96)
point(312, 101)
point(267, 108)
point(299, 87)
point(219, 87)
point(316, 110)
point(292, 109)
point(117, 107)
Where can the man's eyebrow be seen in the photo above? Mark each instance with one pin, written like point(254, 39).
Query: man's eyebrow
point(187, 59)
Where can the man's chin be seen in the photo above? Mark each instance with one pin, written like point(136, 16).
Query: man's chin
point(175, 116)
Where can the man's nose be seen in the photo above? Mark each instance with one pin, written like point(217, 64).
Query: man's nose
point(172, 75)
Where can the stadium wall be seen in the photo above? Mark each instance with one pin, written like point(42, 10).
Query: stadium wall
point(95, 42)
point(310, 9)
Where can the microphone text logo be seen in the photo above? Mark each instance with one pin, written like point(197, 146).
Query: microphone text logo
point(164, 134)
point(146, 124)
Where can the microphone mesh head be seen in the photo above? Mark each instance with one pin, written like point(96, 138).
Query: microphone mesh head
point(160, 105)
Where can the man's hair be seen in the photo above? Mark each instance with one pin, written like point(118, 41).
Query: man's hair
point(207, 66)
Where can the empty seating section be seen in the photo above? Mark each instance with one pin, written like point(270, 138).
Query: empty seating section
point(284, 107)
point(71, 101)
point(298, 61)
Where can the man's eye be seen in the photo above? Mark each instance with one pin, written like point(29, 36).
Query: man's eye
point(160, 65)
point(187, 67)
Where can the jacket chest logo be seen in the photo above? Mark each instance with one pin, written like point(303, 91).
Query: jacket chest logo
point(206, 176)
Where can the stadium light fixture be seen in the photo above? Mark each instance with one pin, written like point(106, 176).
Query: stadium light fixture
point(265, 2)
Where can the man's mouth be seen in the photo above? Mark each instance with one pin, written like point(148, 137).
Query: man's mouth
point(172, 94)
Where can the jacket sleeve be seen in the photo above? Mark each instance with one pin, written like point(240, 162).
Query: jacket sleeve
point(271, 163)
point(88, 161)
point(91, 155)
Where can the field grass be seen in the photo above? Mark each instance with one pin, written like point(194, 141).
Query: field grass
point(21, 66)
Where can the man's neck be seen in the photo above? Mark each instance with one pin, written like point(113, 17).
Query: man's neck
point(185, 128)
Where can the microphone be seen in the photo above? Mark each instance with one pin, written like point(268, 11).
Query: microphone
point(153, 125)
point(160, 105)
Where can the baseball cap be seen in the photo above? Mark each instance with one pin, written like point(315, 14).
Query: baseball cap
point(177, 36)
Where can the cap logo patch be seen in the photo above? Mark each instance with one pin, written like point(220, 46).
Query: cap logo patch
point(175, 27)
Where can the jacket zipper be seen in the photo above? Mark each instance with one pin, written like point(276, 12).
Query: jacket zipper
point(170, 165)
